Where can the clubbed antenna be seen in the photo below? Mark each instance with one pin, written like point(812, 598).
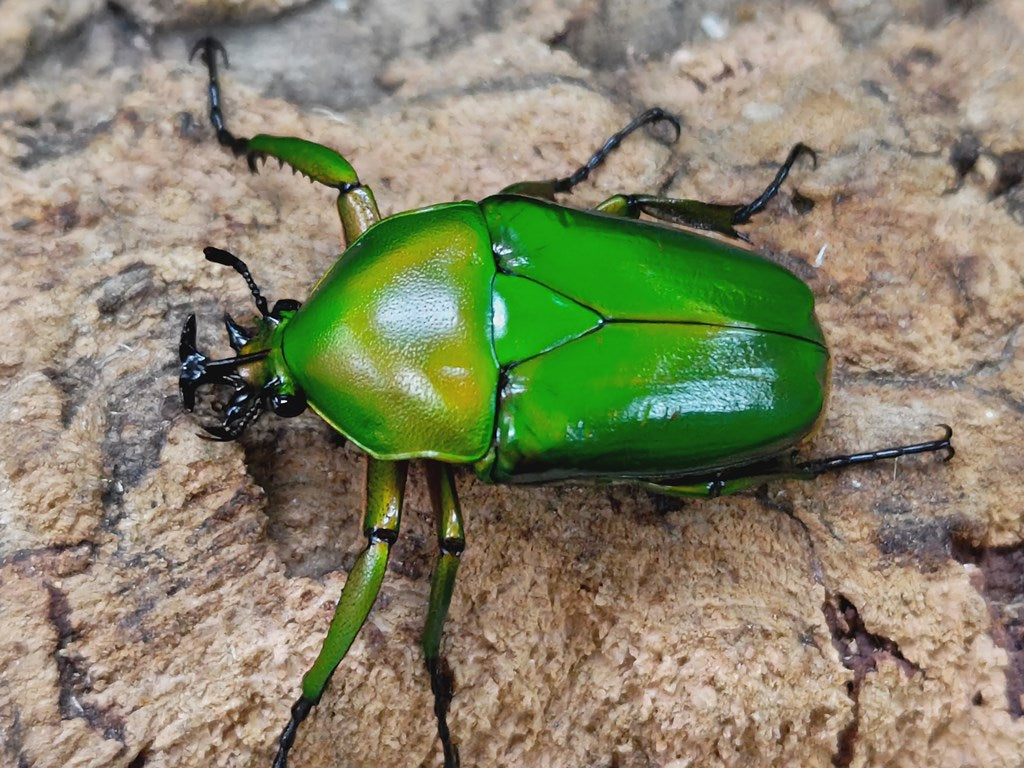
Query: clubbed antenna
point(220, 256)
point(248, 399)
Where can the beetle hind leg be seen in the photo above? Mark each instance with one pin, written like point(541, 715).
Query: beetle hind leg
point(714, 217)
point(814, 467)
point(451, 541)
point(787, 467)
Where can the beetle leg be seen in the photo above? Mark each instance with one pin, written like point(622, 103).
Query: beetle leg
point(714, 217)
point(451, 540)
point(731, 481)
point(815, 467)
point(385, 485)
point(356, 205)
point(709, 489)
point(743, 213)
point(546, 189)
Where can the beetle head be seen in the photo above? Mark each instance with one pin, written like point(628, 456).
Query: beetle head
point(257, 375)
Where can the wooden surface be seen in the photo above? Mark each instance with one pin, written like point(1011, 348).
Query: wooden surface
point(161, 595)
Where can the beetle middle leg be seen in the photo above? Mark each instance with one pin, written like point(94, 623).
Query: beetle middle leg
point(451, 541)
point(385, 486)
point(357, 207)
point(714, 217)
point(547, 188)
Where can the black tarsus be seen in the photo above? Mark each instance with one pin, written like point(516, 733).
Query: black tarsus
point(743, 214)
point(653, 115)
point(831, 463)
point(300, 711)
point(441, 686)
point(208, 48)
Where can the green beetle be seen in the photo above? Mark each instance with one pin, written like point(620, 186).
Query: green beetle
point(534, 342)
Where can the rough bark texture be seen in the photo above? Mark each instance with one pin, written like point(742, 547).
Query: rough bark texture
point(161, 595)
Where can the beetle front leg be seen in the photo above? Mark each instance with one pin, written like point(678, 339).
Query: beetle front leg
point(451, 541)
point(385, 485)
point(714, 217)
point(356, 205)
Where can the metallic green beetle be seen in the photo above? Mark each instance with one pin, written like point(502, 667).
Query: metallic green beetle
point(533, 342)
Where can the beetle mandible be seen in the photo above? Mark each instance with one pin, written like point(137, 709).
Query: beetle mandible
point(458, 334)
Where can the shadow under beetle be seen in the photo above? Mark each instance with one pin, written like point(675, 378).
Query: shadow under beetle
point(532, 341)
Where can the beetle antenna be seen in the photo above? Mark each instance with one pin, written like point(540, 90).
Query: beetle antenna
point(220, 256)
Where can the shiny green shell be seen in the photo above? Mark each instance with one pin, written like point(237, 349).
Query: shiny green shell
point(540, 342)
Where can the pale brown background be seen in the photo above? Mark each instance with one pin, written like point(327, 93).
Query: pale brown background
point(161, 595)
